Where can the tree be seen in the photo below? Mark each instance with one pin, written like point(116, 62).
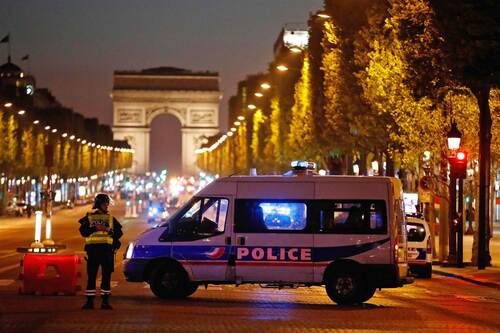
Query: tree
point(471, 31)
point(273, 150)
point(10, 145)
point(300, 141)
point(257, 140)
point(28, 151)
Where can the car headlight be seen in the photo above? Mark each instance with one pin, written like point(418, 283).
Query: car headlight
point(130, 251)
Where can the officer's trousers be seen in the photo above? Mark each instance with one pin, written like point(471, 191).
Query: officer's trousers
point(103, 257)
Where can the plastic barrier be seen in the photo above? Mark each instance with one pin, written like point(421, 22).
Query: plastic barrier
point(49, 274)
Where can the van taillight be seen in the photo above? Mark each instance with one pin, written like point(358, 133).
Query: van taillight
point(396, 253)
point(428, 250)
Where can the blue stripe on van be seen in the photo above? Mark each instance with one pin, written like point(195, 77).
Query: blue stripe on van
point(210, 253)
point(334, 252)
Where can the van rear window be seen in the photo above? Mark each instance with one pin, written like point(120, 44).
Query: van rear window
point(352, 217)
point(415, 232)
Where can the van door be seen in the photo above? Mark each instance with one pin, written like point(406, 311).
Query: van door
point(273, 235)
point(200, 242)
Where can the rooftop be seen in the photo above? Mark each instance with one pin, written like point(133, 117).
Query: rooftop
point(166, 71)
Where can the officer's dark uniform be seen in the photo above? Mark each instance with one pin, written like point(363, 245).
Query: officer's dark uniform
point(100, 247)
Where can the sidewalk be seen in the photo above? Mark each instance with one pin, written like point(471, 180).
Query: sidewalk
point(489, 277)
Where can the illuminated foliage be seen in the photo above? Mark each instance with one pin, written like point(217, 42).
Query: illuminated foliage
point(300, 142)
point(28, 150)
point(257, 141)
point(9, 150)
point(273, 151)
point(411, 125)
point(241, 149)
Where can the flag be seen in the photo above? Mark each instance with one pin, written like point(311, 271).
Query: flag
point(26, 57)
point(6, 39)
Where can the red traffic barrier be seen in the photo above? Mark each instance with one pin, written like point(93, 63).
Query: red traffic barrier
point(49, 274)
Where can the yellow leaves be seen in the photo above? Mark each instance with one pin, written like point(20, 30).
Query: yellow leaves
point(300, 138)
point(258, 119)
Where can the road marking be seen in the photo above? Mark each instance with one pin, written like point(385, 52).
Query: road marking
point(6, 282)
point(8, 268)
point(9, 254)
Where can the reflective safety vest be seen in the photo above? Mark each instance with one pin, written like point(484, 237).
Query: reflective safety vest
point(100, 237)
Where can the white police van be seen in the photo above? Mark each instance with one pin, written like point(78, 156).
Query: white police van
point(345, 232)
point(419, 247)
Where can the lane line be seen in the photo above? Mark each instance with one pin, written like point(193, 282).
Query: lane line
point(9, 268)
point(6, 282)
point(10, 254)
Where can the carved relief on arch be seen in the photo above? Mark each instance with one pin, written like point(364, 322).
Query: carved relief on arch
point(131, 140)
point(180, 114)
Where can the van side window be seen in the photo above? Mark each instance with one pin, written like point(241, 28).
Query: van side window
point(353, 217)
point(204, 218)
point(259, 216)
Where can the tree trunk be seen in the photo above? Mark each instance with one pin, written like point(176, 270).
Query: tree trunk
point(363, 170)
point(389, 165)
point(482, 94)
point(348, 164)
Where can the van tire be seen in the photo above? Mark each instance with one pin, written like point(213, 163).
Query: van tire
point(346, 287)
point(426, 271)
point(169, 282)
point(368, 293)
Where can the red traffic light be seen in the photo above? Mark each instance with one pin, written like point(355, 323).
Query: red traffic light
point(459, 164)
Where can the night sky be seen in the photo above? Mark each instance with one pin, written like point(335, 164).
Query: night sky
point(75, 46)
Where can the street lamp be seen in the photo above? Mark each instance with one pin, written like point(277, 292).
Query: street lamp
point(282, 68)
point(455, 257)
point(259, 94)
point(265, 85)
point(454, 137)
point(323, 14)
point(252, 106)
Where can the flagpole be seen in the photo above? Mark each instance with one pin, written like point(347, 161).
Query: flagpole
point(8, 56)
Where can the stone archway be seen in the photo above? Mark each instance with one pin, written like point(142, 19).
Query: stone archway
point(139, 97)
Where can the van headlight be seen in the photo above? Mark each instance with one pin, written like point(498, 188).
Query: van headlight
point(130, 251)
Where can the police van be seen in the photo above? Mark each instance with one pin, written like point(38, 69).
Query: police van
point(345, 232)
point(419, 247)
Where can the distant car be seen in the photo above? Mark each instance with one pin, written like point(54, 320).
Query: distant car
point(157, 214)
point(419, 247)
point(17, 208)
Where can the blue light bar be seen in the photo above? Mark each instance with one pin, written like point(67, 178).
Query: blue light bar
point(303, 165)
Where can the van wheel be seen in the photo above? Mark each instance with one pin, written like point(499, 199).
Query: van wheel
point(346, 288)
point(368, 293)
point(168, 281)
point(426, 272)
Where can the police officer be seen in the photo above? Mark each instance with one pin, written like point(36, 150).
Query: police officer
point(102, 234)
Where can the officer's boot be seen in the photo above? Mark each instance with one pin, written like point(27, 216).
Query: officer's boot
point(89, 304)
point(105, 302)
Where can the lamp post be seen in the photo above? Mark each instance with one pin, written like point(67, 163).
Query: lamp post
point(454, 138)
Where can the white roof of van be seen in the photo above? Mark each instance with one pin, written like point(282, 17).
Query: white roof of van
point(300, 186)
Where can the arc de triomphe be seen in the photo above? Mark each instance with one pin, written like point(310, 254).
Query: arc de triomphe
point(139, 96)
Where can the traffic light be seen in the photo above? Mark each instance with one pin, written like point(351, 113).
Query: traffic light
point(459, 164)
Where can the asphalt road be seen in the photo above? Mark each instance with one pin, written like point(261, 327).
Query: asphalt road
point(436, 305)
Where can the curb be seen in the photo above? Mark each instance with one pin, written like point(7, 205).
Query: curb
point(464, 278)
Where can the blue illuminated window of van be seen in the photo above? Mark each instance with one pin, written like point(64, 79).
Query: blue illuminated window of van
point(284, 216)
